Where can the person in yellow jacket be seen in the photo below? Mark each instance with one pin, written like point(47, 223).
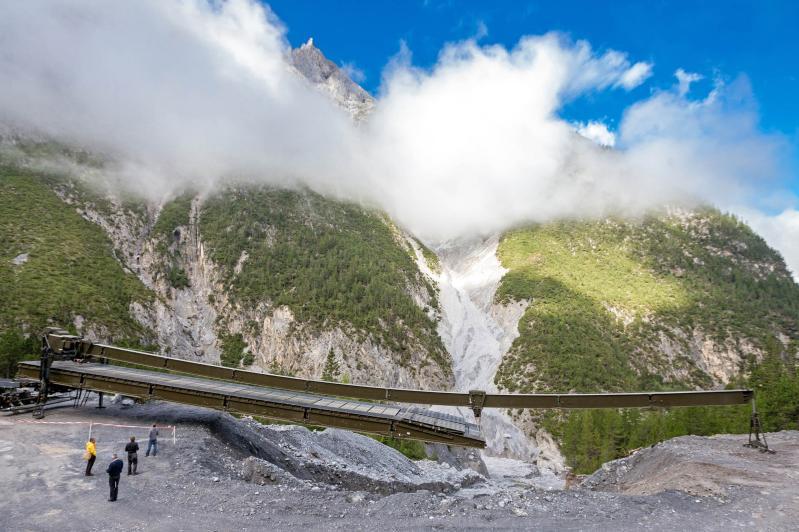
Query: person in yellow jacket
point(90, 455)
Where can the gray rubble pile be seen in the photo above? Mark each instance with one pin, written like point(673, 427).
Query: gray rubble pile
point(340, 458)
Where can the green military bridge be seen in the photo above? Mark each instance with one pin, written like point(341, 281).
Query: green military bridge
point(75, 363)
point(287, 405)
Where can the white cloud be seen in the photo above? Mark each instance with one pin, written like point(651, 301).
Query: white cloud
point(193, 92)
point(684, 80)
point(635, 75)
point(177, 92)
point(481, 31)
point(781, 231)
point(353, 72)
point(475, 144)
point(711, 147)
point(597, 132)
point(589, 71)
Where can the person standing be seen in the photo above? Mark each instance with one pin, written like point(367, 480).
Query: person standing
point(90, 456)
point(153, 443)
point(133, 458)
point(114, 471)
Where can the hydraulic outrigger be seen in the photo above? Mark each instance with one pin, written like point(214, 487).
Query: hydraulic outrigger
point(756, 433)
point(59, 345)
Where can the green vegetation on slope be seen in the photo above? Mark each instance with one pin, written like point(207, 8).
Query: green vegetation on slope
point(173, 218)
point(332, 369)
point(15, 347)
point(430, 257)
point(605, 293)
point(174, 214)
point(412, 449)
point(591, 437)
point(234, 351)
point(333, 264)
point(70, 268)
point(607, 296)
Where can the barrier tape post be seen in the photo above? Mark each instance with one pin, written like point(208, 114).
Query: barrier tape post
point(92, 424)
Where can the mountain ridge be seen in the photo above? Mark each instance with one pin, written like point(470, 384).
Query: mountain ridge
point(325, 76)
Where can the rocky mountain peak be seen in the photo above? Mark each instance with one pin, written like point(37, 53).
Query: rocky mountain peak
point(329, 78)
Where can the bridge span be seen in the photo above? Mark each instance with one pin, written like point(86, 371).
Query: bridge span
point(75, 363)
point(288, 405)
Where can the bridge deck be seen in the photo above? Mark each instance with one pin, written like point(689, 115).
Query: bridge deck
point(398, 421)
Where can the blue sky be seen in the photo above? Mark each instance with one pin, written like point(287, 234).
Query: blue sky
point(712, 38)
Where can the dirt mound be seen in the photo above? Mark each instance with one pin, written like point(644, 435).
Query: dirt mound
point(701, 466)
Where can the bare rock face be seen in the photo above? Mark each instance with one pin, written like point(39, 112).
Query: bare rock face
point(281, 343)
point(184, 320)
point(327, 77)
point(477, 333)
point(20, 259)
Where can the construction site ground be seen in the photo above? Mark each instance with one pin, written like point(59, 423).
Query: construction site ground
point(224, 473)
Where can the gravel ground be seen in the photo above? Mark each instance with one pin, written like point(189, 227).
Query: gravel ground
point(225, 474)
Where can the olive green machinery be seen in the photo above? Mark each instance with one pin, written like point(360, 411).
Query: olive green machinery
point(73, 362)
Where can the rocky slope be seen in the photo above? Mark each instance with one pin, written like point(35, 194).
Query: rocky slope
point(322, 73)
point(280, 290)
point(478, 331)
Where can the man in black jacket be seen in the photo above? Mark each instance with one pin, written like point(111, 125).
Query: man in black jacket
point(133, 458)
point(114, 471)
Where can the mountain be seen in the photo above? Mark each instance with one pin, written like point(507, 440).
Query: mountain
point(323, 74)
point(273, 278)
point(678, 298)
point(289, 281)
point(293, 277)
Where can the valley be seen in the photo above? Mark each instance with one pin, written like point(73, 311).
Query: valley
point(287, 280)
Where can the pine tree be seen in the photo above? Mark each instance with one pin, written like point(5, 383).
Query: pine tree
point(331, 371)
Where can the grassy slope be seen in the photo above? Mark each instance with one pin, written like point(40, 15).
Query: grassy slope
point(71, 269)
point(174, 214)
point(333, 264)
point(660, 275)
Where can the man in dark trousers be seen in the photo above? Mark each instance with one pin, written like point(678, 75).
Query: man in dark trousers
point(153, 443)
point(114, 471)
point(133, 459)
point(90, 455)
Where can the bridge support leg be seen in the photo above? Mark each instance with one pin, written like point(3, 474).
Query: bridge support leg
point(101, 394)
point(757, 439)
point(44, 379)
